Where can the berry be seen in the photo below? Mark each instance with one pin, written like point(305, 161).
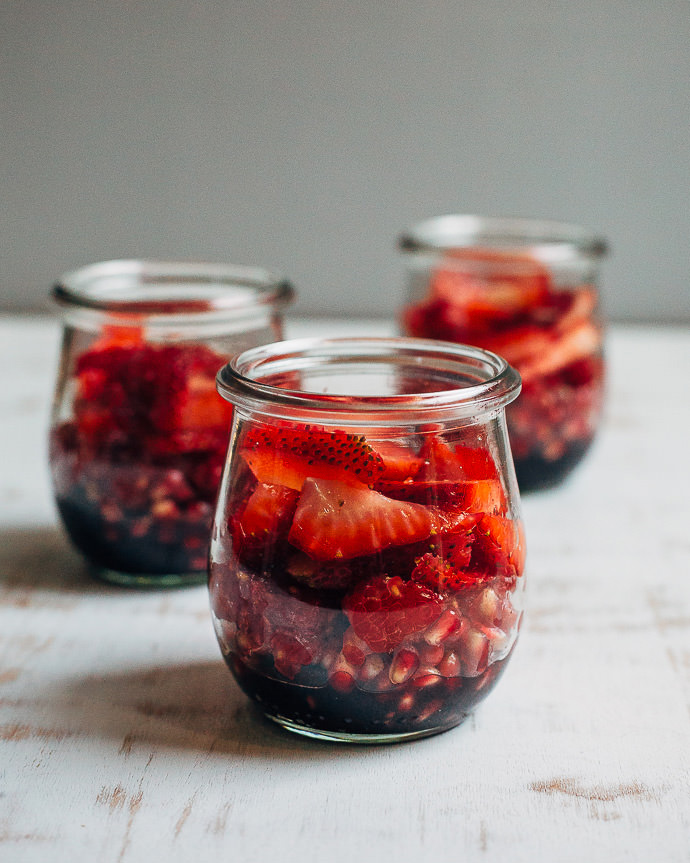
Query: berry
point(263, 522)
point(385, 611)
point(287, 456)
point(399, 462)
point(337, 521)
point(444, 462)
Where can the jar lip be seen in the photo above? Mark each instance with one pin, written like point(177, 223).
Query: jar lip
point(452, 231)
point(161, 289)
point(485, 381)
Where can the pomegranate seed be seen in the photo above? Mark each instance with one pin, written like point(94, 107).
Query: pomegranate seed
point(141, 526)
point(444, 627)
point(164, 509)
point(426, 679)
point(475, 653)
point(406, 702)
point(489, 607)
point(405, 663)
point(431, 708)
point(341, 681)
point(354, 649)
point(450, 665)
point(111, 512)
point(431, 654)
point(354, 655)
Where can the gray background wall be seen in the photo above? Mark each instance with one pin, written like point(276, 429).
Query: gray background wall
point(304, 136)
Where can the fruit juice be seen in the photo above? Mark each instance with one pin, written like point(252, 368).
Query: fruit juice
point(366, 583)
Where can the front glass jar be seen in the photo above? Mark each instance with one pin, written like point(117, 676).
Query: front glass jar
point(138, 432)
point(526, 290)
point(366, 567)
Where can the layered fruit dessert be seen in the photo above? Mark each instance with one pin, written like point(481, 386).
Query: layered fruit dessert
point(137, 459)
point(362, 585)
point(509, 303)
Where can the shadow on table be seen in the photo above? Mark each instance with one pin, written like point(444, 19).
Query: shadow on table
point(41, 557)
point(195, 706)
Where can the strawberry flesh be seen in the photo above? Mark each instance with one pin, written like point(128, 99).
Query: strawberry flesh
point(287, 456)
point(336, 521)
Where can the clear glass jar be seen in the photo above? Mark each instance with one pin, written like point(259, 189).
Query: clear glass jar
point(138, 432)
point(527, 290)
point(366, 567)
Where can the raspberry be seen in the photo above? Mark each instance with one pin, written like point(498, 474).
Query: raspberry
point(385, 611)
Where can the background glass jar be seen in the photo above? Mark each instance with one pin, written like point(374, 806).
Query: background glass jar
point(366, 567)
point(139, 433)
point(527, 290)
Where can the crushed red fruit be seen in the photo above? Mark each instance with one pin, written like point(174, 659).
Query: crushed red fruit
point(384, 602)
point(508, 303)
point(136, 467)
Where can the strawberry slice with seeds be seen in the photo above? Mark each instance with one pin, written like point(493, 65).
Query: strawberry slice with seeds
point(399, 462)
point(264, 521)
point(385, 611)
point(482, 495)
point(461, 462)
point(338, 521)
point(287, 456)
point(498, 548)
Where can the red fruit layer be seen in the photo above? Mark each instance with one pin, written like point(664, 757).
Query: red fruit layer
point(385, 611)
point(287, 456)
point(336, 521)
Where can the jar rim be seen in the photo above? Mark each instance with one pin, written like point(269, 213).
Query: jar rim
point(485, 381)
point(130, 287)
point(452, 231)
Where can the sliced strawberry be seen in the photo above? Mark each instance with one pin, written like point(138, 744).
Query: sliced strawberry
point(399, 462)
point(490, 284)
point(199, 405)
point(385, 611)
point(287, 456)
point(498, 548)
point(441, 493)
point(120, 335)
point(519, 344)
point(461, 462)
point(579, 342)
point(482, 495)
point(263, 523)
point(335, 521)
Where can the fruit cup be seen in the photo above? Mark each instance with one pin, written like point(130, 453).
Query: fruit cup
point(366, 567)
point(526, 290)
point(138, 432)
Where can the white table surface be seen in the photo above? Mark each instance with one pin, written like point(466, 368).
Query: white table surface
point(124, 738)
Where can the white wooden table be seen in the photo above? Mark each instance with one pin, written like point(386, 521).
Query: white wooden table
point(124, 738)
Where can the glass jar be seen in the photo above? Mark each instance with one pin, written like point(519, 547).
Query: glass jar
point(138, 432)
point(366, 567)
point(526, 290)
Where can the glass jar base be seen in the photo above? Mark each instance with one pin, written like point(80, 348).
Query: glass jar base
point(148, 581)
point(373, 739)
